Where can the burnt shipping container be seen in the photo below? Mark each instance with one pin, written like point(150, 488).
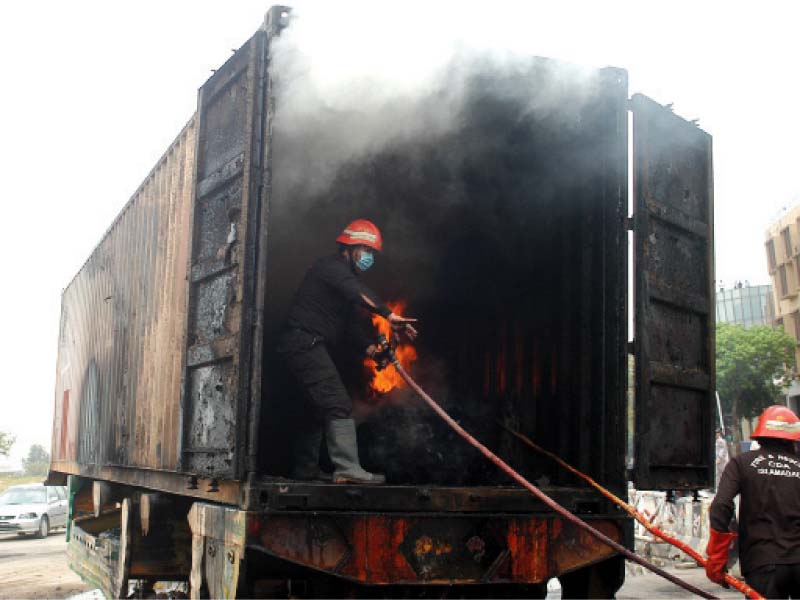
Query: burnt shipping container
point(506, 233)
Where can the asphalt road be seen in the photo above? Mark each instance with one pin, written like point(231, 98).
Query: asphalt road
point(650, 585)
point(35, 568)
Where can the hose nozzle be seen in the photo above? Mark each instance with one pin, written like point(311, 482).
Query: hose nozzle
point(385, 354)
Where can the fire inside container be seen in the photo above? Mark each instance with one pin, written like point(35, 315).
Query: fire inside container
point(384, 381)
point(502, 233)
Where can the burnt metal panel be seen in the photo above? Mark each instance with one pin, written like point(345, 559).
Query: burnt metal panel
point(381, 549)
point(674, 319)
point(216, 384)
point(276, 19)
point(459, 549)
point(283, 495)
point(162, 480)
point(123, 321)
point(609, 410)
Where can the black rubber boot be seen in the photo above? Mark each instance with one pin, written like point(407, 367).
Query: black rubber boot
point(305, 465)
point(343, 448)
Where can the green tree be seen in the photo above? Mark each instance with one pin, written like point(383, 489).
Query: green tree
point(6, 441)
point(38, 461)
point(748, 363)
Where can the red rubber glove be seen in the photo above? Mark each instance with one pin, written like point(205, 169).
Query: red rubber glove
point(719, 544)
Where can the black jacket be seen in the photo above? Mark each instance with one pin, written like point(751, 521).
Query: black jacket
point(328, 302)
point(768, 481)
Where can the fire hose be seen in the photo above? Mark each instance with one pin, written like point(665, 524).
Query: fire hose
point(387, 352)
point(729, 579)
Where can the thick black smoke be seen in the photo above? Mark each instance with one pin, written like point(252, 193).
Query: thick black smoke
point(488, 180)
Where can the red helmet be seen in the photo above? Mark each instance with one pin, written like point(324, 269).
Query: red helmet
point(777, 422)
point(362, 232)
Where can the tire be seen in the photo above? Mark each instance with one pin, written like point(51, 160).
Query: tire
point(44, 527)
point(601, 580)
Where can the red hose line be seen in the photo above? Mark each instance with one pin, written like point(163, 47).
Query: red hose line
point(729, 579)
point(538, 493)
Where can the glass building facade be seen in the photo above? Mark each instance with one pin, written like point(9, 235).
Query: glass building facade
point(746, 305)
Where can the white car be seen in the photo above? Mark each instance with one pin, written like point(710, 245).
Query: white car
point(33, 508)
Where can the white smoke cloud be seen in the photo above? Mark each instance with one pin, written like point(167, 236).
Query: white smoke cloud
point(349, 83)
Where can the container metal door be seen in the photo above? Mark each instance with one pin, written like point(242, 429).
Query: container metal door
point(674, 299)
point(215, 392)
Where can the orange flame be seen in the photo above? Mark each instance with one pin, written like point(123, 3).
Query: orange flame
point(385, 381)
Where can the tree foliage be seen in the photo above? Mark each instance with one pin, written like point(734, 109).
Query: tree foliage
point(748, 363)
point(37, 462)
point(6, 442)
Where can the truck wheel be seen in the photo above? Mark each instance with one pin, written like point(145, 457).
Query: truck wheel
point(601, 580)
point(44, 527)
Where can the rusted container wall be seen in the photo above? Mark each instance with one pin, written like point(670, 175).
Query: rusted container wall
point(154, 378)
point(123, 330)
point(226, 208)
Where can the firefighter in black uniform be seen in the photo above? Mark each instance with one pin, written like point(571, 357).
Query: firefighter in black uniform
point(768, 483)
point(320, 313)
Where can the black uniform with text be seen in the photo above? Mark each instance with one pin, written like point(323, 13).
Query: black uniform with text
point(768, 481)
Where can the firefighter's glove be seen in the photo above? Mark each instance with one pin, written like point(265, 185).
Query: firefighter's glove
point(719, 544)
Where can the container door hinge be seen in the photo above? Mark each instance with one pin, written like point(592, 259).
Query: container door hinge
point(632, 347)
point(630, 224)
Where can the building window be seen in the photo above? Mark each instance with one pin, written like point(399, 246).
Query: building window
point(755, 306)
point(738, 313)
point(783, 282)
point(796, 319)
point(771, 255)
point(770, 305)
point(787, 241)
point(748, 306)
point(797, 225)
point(797, 269)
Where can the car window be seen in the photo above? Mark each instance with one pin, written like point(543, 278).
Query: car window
point(24, 496)
point(61, 493)
point(51, 495)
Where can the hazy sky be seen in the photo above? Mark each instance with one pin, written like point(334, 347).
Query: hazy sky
point(94, 92)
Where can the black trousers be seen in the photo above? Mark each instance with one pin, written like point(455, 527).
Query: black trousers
point(775, 581)
point(311, 366)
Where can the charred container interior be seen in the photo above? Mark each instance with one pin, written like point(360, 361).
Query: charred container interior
point(504, 234)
